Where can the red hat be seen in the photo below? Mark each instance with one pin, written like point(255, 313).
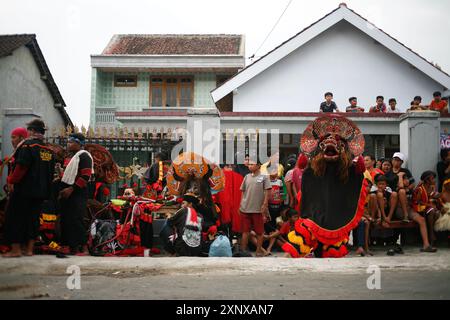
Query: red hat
point(21, 132)
point(302, 161)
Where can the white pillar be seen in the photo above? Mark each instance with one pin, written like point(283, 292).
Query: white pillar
point(419, 141)
point(203, 133)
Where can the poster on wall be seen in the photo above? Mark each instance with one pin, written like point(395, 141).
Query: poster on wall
point(445, 141)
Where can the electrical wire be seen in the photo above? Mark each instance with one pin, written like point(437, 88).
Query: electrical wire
point(273, 28)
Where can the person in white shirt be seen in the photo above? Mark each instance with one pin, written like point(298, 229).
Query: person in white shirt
point(392, 106)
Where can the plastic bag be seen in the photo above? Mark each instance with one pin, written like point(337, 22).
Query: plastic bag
point(220, 247)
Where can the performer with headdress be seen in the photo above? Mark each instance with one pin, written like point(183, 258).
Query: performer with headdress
point(333, 189)
point(29, 184)
point(186, 224)
point(18, 136)
point(192, 173)
point(106, 172)
point(155, 177)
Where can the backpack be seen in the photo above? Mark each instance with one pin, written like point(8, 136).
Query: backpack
point(220, 247)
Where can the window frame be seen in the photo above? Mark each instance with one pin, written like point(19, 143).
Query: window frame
point(164, 86)
point(134, 85)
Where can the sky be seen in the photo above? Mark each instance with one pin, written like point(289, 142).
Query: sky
point(69, 31)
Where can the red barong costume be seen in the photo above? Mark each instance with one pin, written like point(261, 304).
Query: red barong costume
point(333, 190)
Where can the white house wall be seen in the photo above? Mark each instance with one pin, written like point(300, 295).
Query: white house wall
point(296, 125)
point(342, 60)
point(21, 87)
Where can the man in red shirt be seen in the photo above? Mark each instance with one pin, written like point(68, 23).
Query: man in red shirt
point(437, 104)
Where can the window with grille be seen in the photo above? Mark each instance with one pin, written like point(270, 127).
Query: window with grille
point(125, 81)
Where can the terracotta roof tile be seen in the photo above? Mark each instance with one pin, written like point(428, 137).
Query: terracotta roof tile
point(175, 44)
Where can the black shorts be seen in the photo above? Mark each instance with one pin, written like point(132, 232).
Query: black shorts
point(274, 211)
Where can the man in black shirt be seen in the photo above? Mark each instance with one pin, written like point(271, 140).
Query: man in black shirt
point(74, 194)
point(391, 178)
point(443, 167)
point(29, 184)
point(405, 183)
point(328, 105)
point(152, 174)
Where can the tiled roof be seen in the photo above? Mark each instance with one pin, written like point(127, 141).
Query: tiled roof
point(175, 44)
point(9, 43)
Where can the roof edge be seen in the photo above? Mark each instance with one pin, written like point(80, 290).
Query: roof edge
point(218, 93)
point(39, 59)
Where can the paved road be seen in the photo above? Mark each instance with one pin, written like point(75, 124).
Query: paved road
point(303, 285)
point(411, 276)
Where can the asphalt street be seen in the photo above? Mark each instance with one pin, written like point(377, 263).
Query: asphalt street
point(413, 275)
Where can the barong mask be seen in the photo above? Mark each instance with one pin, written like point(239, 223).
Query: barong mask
point(331, 136)
point(192, 173)
point(331, 147)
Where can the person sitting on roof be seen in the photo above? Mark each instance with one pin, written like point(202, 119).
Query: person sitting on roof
point(380, 107)
point(416, 104)
point(353, 107)
point(437, 104)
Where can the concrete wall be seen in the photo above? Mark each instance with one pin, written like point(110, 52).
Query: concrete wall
point(342, 60)
point(21, 87)
point(419, 141)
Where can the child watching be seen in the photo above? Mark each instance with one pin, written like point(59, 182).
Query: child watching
point(384, 198)
point(353, 107)
point(275, 197)
point(328, 105)
point(437, 104)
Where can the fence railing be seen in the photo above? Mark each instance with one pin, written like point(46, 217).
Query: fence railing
point(132, 150)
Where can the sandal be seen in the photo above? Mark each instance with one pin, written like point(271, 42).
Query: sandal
point(406, 220)
point(428, 249)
